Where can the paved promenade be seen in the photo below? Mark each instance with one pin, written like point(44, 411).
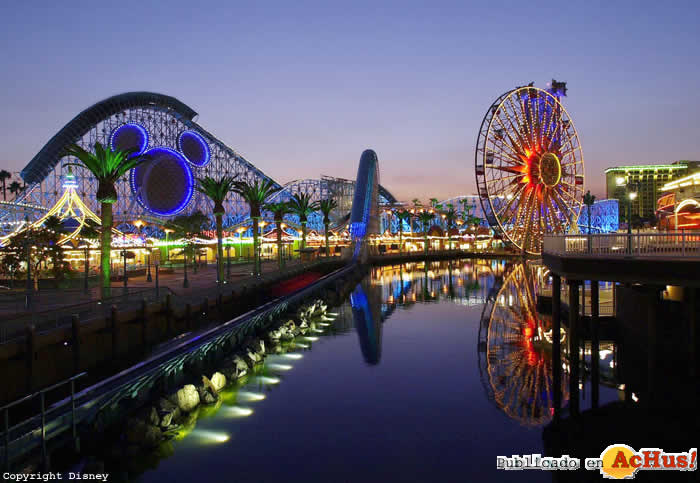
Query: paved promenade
point(170, 280)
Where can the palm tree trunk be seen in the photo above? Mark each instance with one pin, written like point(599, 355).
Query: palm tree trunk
point(106, 249)
point(219, 248)
point(280, 259)
point(328, 245)
point(303, 235)
point(256, 252)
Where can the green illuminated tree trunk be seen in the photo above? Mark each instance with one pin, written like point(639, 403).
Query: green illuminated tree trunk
point(328, 244)
point(280, 258)
point(256, 251)
point(303, 235)
point(219, 247)
point(106, 250)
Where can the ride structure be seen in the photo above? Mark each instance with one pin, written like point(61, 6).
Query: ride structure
point(181, 151)
point(529, 166)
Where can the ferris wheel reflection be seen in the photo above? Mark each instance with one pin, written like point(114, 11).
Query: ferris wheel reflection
point(515, 358)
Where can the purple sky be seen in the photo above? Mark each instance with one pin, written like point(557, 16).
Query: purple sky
point(301, 88)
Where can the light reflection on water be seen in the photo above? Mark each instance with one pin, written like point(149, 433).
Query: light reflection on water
point(449, 349)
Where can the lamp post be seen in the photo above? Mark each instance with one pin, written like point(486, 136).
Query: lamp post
point(167, 245)
point(630, 194)
point(240, 241)
point(87, 266)
point(125, 277)
point(148, 265)
point(588, 200)
point(228, 260)
point(28, 297)
point(157, 264)
point(185, 281)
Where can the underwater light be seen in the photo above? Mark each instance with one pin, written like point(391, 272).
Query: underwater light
point(211, 436)
point(292, 356)
point(318, 331)
point(239, 412)
point(323, 324)
point(268, 380)
point(303, 346)
point(311, 338)
point(250, 396)
point(279, 367)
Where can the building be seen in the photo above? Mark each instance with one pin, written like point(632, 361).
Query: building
point(679, 206)
point(647, 180)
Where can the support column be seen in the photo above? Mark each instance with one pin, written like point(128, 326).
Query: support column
point(573, 347)
point(595, 343)
point(690, 294)
point(652, 346)
point(556, 343)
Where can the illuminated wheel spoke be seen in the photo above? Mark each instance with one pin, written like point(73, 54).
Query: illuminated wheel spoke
point(529, 167)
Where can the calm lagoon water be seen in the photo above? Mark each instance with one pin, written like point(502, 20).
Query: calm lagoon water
point(425, 375)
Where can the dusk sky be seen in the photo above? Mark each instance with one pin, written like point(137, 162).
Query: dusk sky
point(302, 88)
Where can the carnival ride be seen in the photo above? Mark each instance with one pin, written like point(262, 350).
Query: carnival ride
point(529, 166)
point(182, 150)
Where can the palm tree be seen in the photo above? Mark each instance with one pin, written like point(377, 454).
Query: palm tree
point(4, 175)
point(402, 215)
point(325, 207)
point(255, 193)
point(588, 200)
point(15, 188)
point(217, 190)
point(450, 219)
point(107, 165)
point(278, 211)
point(302, 206)
point(425, 217)
point(433, 202)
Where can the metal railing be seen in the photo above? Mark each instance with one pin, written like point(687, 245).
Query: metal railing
point(656, 244)
point(13, 327)
point(45, 435)
point(86, 404)
point(46, 320)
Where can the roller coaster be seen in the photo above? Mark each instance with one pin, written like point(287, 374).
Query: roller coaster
point(182, 150)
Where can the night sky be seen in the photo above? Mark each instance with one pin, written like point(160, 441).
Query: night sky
point(302, 88)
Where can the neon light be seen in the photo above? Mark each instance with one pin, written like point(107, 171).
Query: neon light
point(134, 128)
point(188, 141)
point(189, 180)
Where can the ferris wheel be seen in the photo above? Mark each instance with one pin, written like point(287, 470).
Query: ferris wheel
point(514, 359)
point(529, 167)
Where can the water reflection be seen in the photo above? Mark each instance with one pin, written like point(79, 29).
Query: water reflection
point(463, 282)
point(515, 357)
point(368, 319)
point(514, 340)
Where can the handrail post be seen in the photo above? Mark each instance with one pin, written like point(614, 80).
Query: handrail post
point(76, 441)
point(44, 460)
point(7, 438)
point(683, 240)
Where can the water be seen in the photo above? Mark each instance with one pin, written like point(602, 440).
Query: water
point(399, 387)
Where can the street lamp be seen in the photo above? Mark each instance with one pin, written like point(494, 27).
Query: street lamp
point(148, 264)
point(167, 246)
point(240, 240)
point(86, 247)
point(631, 194)
point(125, 277)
